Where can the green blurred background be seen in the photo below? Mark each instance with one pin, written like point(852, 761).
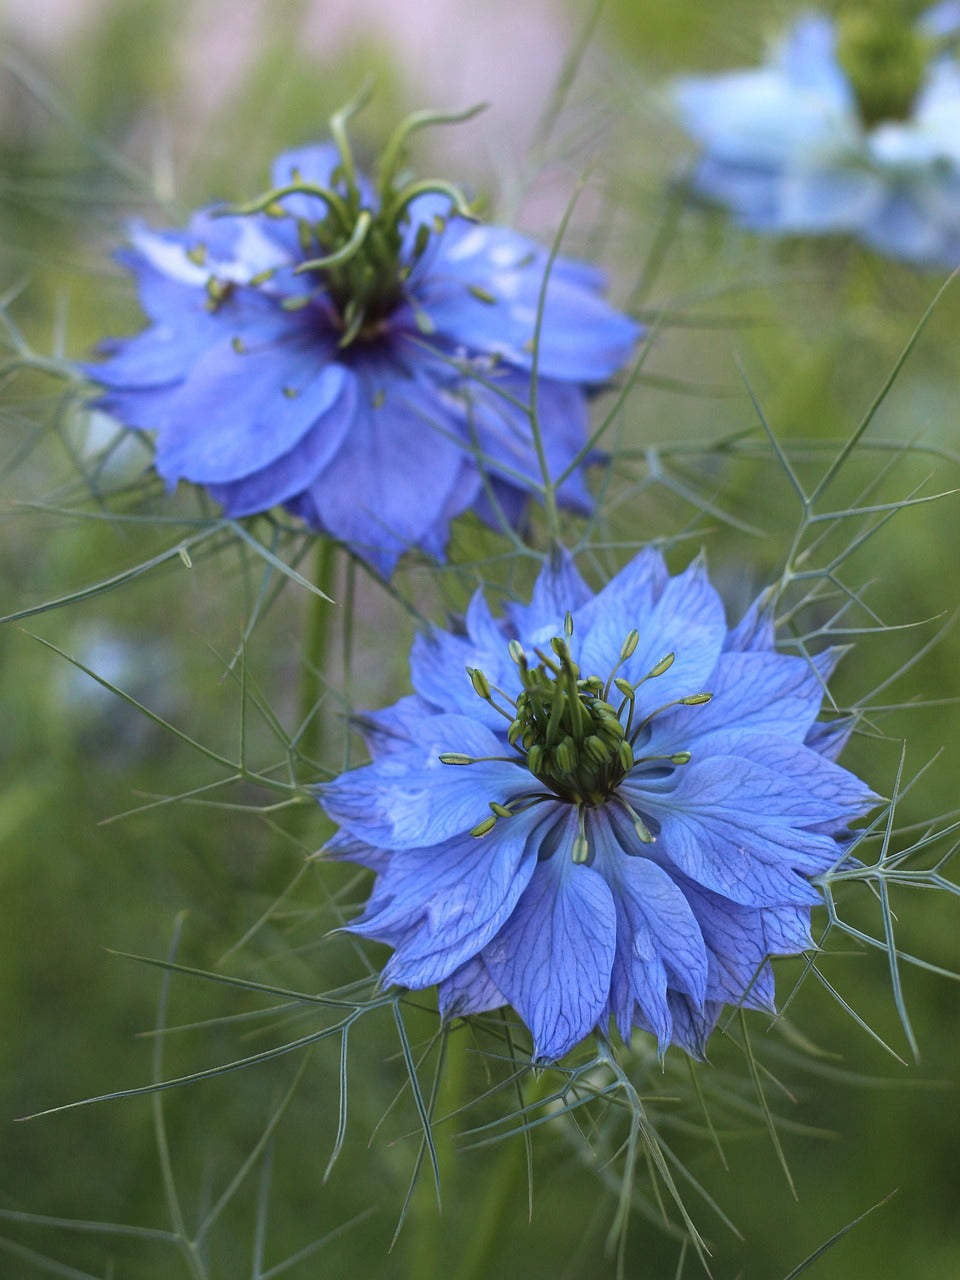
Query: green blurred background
point(149, 107)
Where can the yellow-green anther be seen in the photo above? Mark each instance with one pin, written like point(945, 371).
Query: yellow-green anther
point(481, 294)
point(581, 850)
point(566, 755)
point(596, 749)
point(275, 210)
point(262, 276)
point(485, 827)
point(513, 733)
point(529, 739)
point(568, 624)
point(535, 758)
point(295, 302)
point(610, 723)
point(454, 757)
point(481, 686)
point(695, 699)
point(625, 687)
point(629, 645)
point(625, 754)
point(198, 254)
point(500, 810)
point(593, 684)
point(680, 757)
point(663, 665)
point(642, 830)
point(238, 345)
point(517, 654)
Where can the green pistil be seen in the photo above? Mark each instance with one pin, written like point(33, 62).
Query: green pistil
point(885, 62)
point(355, 251)
point(569, 735)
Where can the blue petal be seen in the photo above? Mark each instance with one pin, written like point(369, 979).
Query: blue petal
point(233, 415)
point(470, 989)
point(819, 201)
point(829, 737)
point(315, 164)
point(399, 476)
point(737, 942)
point(756, 629)
point(393, 728)
point(482, 290)
point(684, 616)
point(439, 662)
point(496, 428)
point(440, 906)
point(553, 958)
point(289, 473)
point(559, 589)
point(659, 943)
point(691, 1025)
point(408, 799)
point(756, 692)
point(737, 828)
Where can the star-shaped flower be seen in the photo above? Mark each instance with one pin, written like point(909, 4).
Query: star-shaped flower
point(599, 807)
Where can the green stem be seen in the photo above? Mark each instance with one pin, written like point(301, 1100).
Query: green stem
point(315, 647)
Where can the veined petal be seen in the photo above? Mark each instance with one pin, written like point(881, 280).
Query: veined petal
point(553, 958)
point(685, 619)
point(659, 941)
point(440, 906)
point(470, 989)
point(408, 798)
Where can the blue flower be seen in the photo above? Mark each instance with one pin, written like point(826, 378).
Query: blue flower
point(361, 356)
point(617, 813)
point(853, 126)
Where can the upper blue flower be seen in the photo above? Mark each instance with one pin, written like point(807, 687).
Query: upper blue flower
point(361, 355)
point(616, 812)
point(852, 127)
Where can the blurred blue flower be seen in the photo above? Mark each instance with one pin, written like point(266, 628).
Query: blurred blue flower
point(853, 126)
point(361, 355)
point(616, 814)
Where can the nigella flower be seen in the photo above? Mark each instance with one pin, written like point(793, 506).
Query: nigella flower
point(853, 127)
point(599, 807)
point(362, 355)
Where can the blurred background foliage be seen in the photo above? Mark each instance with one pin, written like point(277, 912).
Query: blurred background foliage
point(149, 107)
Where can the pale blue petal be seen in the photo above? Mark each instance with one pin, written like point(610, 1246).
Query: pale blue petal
point(686, 618)
point(553, 958)
point(559, 589)
point(483, 292)
point(470, 989)
point(658, 944)
point(408, 798)
point(441, 906)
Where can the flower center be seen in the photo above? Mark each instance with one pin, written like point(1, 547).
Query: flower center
point(360, 252)
point(567, 731)
point(884, 60)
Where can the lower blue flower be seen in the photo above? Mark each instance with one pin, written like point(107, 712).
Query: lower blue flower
point(617, 812)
